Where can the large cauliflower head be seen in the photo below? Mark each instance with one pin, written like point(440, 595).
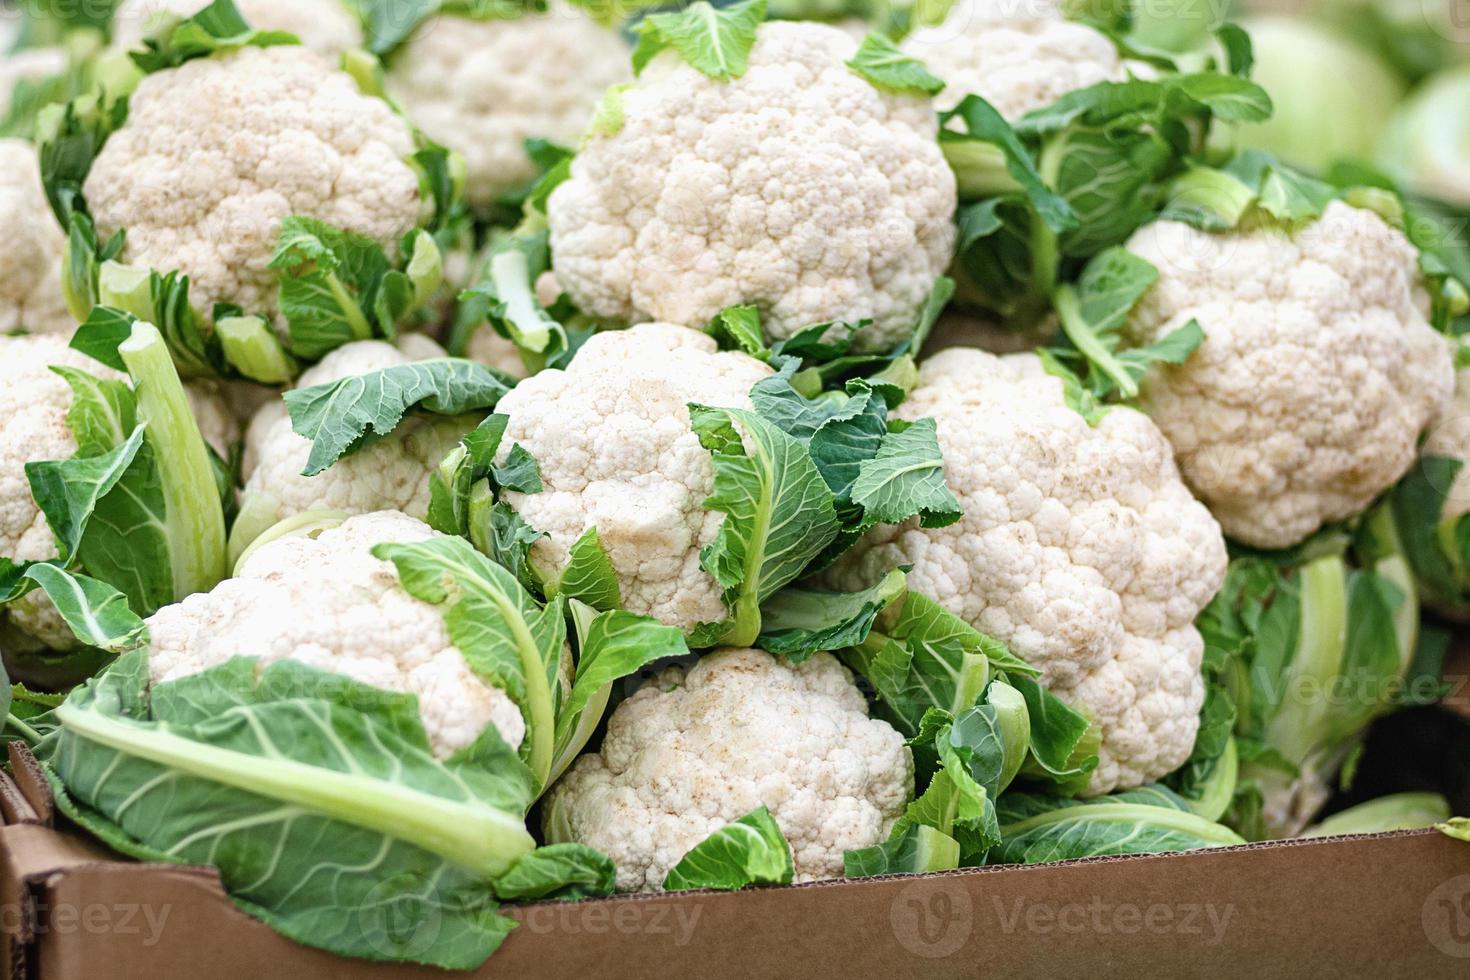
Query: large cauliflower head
point(483, 87)
point(1080, 547)
point(326, 602)
point(1018, 55)
point(389, 474)
point(613, 439)
point(1318, 372)
point(696, 749)
point(798, 187)
point(34, 401)
point(215, 153)
point(323, 25)
point(30, 254)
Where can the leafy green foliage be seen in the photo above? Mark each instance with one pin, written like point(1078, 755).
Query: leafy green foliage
point(714, 40)
point(263, 763)
point(1039, 829)
point(750, 851)
point(1307, 651)
point(1093, 314)
point(881, 62)
point(779, 516)
point(506, 298)
point(339, 286)
point(515, 643)
point(219, 27)
point(137, 506)
point(1064, 182)
point(340, 417)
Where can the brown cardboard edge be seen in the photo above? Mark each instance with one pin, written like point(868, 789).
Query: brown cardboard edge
point(27, 784)
point(23, 761)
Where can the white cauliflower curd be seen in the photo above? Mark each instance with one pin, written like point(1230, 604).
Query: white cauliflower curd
point(613, 439)
point(798, 187)
point(323, 25)
point(695, 749)
point(1317, 375)
point(30, 252)
point(483, 87)
point(1080, 547)
point(216, 152)
point(1018, 55)
point(389, 474)
point(326, 602)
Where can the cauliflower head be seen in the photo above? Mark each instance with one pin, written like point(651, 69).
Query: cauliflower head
point(326, 602)
point(695, 749)
point(613, 439)
point(483, 87)
point(215, 153)
point(323, 25)
point(34, 401)
point(1318, 371)
point(30, 255)
point(798, 187)
point(1080, 547)
point(390, 474)
point(1018, 55)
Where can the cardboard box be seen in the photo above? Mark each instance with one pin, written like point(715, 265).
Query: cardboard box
point(1386, 906)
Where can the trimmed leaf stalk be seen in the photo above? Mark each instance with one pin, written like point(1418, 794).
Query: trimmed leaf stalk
point(478, 837)
point(195, 526)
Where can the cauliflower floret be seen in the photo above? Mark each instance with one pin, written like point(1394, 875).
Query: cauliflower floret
point(693, 751)
point(483, 87)
point(324, 25)
point(613, 439)
point(1450, 437)
point(390, 474)
point(30, 255)
point(1080, 547)
point(799, 187)
point(34, 401)
point(215, 153)
point(326, 602)
point(1018, 55)
point(1317, 374)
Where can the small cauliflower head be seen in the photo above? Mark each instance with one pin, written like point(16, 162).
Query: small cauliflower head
point(798, 187)
point(1318, 372)
point(1080, 548)
point(30, 253)
point(695, 749)
point(1018, 55)
point(1450, 437)
point(215, 153)
point(326, 602)
point(613, 439)
point(389, 474)
point(323, 25)
point(483, 87)
point(34, 401)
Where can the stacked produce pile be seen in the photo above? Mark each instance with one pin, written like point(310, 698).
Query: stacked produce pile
point(455, 455)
